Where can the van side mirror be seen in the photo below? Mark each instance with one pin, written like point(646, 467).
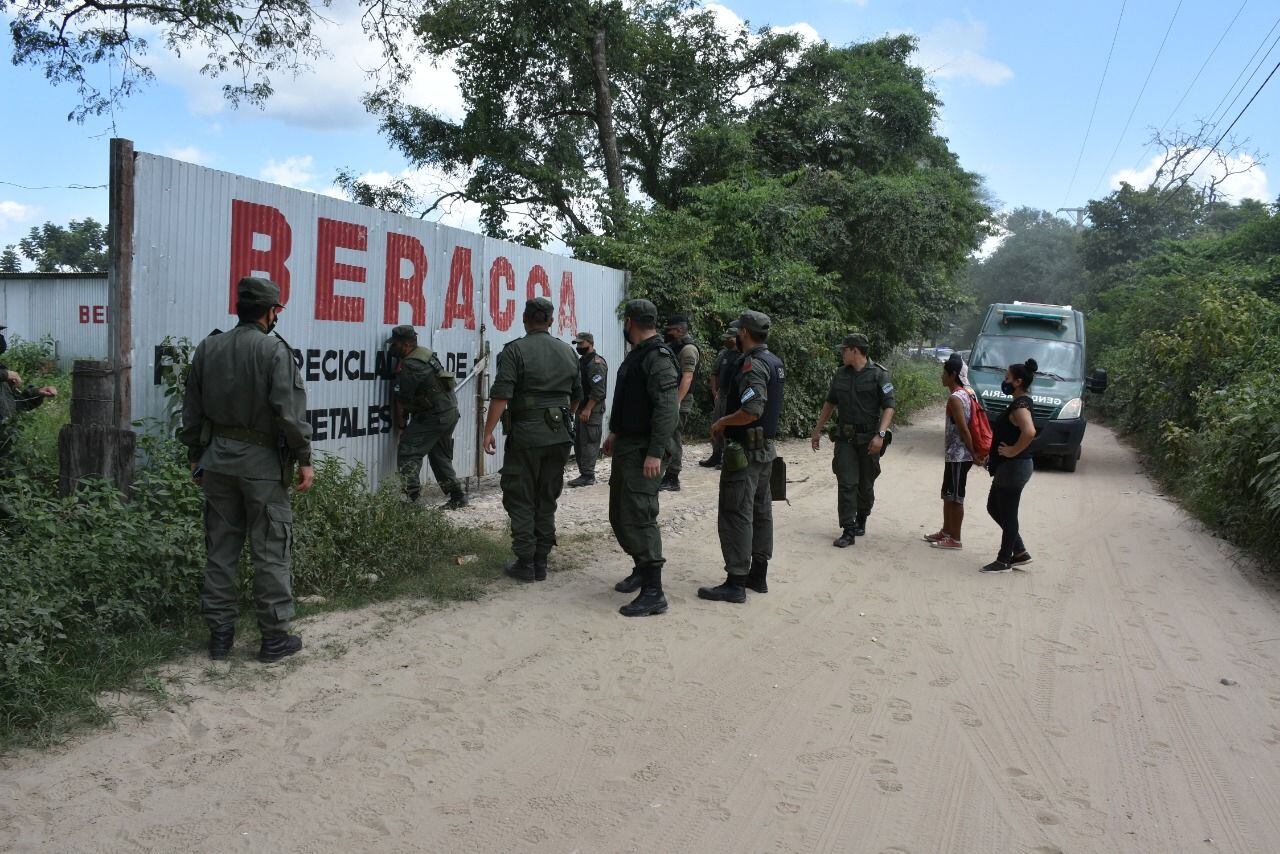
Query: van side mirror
point(1097, 382)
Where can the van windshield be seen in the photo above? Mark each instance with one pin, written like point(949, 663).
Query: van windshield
point(1058, 359)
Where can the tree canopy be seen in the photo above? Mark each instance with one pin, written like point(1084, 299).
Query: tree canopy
point(78, 247)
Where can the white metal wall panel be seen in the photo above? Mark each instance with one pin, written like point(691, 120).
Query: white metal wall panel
point(197, 230)
point(72, 310)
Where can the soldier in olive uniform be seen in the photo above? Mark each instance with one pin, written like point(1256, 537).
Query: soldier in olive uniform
point(244, 422)
point(750, 424)
point(645, 412)
point(536, 383)
point(722, 371)
point(590, 413)
point(15, 398)
point(687, 356)
point(424, 390)
point(862, 394)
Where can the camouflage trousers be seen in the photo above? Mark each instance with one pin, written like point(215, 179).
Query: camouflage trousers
point(430, 437)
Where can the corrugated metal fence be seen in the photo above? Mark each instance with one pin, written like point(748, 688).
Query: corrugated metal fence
point(70, 308)
point(348, 273)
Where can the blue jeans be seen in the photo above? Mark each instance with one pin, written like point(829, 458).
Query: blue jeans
point(1010, 478)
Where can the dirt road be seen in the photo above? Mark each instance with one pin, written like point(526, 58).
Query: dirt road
point(887, 698)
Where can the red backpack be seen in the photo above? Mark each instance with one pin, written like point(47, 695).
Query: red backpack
point(979, 426)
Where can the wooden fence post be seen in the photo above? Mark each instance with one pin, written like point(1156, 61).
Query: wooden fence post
point(91, 445)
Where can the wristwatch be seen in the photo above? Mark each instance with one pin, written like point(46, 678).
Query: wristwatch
point(882, 433)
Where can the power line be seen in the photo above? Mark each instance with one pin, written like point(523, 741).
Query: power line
point(1233, 121)
point(1248, 63)
point(1261, 64)
point(57, 187)
point(1141, 92)
point(1097, 96)
point(1203, 65)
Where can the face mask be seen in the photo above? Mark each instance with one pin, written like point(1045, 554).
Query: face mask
point(1007, 388)
point(582, 351)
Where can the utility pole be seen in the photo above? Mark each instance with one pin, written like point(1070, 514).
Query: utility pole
point(1079, 212)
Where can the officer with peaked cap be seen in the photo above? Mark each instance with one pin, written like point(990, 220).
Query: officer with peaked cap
point(424, 390)
point(536, 383)
point(643, 418)
point(861, 395)
point(753, 410)
point(590, 412)
point(244, 422)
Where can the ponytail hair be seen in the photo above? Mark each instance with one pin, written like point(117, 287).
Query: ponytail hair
point(1025, 372)
point(954, 366)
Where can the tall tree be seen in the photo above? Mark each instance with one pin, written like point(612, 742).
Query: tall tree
point(79, 247)
point(9, 261)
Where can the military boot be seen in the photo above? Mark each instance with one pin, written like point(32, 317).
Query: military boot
point(670, 483)
point(456, 501)
point(582, 480)
point(220, 642)
point(845, 539)
point(732, 590)
point(756, 577)
point(540, 568)
point(651, 600)
point(277, 647)
point(521, 570)
point(860, 530)
point(710, 462)
point(632, 582)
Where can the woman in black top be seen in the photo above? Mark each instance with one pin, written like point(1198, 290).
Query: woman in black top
point(1011, 465)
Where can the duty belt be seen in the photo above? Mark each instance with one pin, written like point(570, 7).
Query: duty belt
point(245, 434)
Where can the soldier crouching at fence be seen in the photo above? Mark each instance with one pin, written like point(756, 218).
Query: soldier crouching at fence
point(244, 424)
point(424, 390)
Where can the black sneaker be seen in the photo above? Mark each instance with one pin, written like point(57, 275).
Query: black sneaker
point(997, 566)
point(277, 647)
point(220, 643)
point(1020, 559)
point(845, 540)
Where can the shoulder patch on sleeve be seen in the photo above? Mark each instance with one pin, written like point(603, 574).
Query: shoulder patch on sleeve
point(748, 394)
point(597, 378)
point(887, 388)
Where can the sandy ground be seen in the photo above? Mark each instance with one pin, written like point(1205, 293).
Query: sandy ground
point(886, 698)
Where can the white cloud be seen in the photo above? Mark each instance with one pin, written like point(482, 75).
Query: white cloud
point(190, 154)
point(805, 31)
point(15, 213)
point(328, 96)
point(293, 172)
point(954, 51)
point(1244, 185)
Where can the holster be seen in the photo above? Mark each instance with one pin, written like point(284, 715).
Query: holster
point(778, 480)
point(570, 423)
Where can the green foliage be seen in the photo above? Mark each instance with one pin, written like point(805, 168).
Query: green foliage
point(36, 447)
point(10, 262)
point(103, 586)
point(1191, 336)
point(917, 385)
point(79, 247)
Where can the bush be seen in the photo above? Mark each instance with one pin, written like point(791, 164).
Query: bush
point(100, 586)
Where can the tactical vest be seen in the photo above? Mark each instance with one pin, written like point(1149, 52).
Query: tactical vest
point(632, 409)
point(436, 391)
point(773, 405)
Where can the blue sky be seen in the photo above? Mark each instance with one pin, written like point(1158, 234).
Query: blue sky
point(1017, 79)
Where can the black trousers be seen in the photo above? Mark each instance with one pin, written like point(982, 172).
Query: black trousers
point(1010, 479)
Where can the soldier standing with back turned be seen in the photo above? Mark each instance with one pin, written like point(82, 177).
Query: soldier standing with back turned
point(645, 411)
point(424, 389)
point(749, 426)
point(687, 356)
point(244, 422)
point(536, 382)
point(590, 412)
point(862, 394)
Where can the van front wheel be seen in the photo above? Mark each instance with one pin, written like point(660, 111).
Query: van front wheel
point(1069, 461)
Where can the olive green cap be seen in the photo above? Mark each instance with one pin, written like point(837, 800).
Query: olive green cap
point(539, 305)
point(585, 336)
point(731, 331)
point(641, 311)
point(403, 333)
point(255, 291)
point(755, 322)
point(857, 339)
